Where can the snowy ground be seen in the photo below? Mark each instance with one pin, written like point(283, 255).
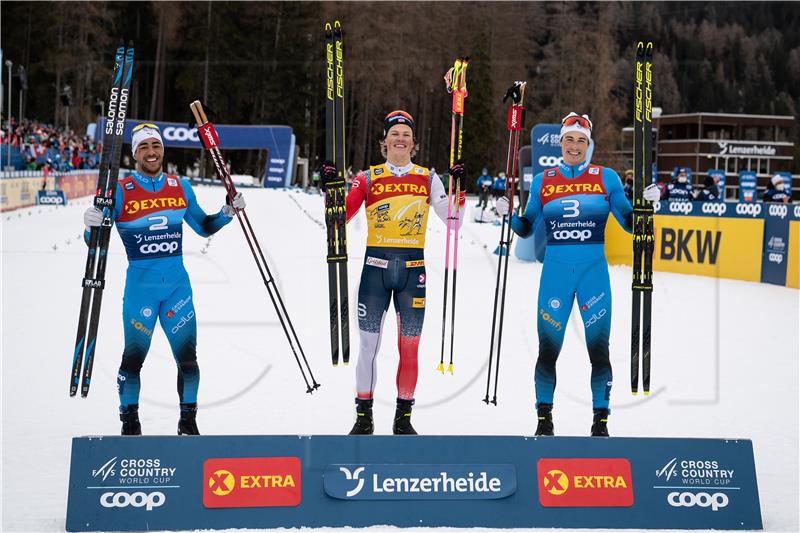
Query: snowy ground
point(725, 360)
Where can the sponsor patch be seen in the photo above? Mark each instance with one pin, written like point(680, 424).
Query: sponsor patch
point(414, 264)
point(172, 182)
point(554, 303)
point(380, 263)
point(418, 303)
point(252, 482)
point(129, 186)
point(596, 482)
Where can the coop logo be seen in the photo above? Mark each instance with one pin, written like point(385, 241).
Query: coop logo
point(748, 209)
point(715, 501)
point(419, 482)
point(680, 207)
point(797, 211)
point(778, 211)
point(159, 248)
point(148, 500)
point(252, 482)
point(774, 257)
point(714, 208)
point(179, 133)
point(585, 482)
point(51, 200)
point(550, 161)
point(572, 235)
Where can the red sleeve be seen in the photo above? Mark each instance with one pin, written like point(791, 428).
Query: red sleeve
point(356, 196)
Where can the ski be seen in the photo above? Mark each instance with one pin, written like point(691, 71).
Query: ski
point(456, 83)
point(94, 273)
point(642, 221)
point(210, 140)
point(516, 123)
point(335, 215)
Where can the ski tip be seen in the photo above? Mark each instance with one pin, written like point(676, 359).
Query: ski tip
point(450, 368)
point(647, 393)
point(440, 368)
point(328, 26)
point(635, 393)
point(486, 400)
point(347, 363)
point(335, 364)
point(494, 402)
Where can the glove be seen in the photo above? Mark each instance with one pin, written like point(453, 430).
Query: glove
point(327, 172)
point(651, 193)
point(230, 208)
point(459, 169)
point(92, 217)
point(502, 206)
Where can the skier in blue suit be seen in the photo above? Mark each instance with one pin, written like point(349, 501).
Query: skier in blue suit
point(573, 200)
point(149, 209)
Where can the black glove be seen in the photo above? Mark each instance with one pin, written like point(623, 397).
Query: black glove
point(327, 173)
point(513, 92)
point(459, 169)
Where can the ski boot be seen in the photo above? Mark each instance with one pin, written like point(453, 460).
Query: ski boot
point(129, 416)
point(599, 425)
point(187, 424)
point(544, 413)
point(364, 424)
point(402, 418)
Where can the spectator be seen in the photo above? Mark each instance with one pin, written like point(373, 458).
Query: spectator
point(499, 186)
point(484, 184)
point(39, 142)
point(680, 188)
point(710, 191)
point(627, 186)
point(776, 191)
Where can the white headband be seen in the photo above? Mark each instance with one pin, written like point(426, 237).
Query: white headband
point(143, 134)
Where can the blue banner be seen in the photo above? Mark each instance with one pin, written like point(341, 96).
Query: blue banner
point(221, 482)
point(545, 147)
point(710, 209)
point(51, 198)
point(277, 140)
point(776, 242)
point(747, 186)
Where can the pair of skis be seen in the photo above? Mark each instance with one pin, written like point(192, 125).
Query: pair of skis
point(516, 123)
point(456, 83)
point(643, 238)
point(335, 192)
point(210, 140)
point(94, 275)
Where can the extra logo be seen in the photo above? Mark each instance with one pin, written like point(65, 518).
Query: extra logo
point(132, 207)
point(252, 482)
point(419, 482)
point(681, 207)
point(398, 188)
point(148, 500)
point(585, 482)
point(571, 188)
point(778, 210)
point(751, 209)
point(714, 208)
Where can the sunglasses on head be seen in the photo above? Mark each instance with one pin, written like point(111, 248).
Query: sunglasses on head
point(573, 118)
point(146, 125)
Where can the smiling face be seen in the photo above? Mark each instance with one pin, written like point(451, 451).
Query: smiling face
point(399, 144)
point(573, 148)
point(150, 157)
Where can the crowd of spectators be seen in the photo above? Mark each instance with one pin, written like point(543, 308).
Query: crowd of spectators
point(42, 145)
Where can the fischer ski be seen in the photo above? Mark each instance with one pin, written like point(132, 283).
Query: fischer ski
point(210, 140)
point(94, 275)
point(335, 215)
point(643, 231)
point(516, 123)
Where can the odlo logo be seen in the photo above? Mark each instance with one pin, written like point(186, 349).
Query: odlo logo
point(595, 317)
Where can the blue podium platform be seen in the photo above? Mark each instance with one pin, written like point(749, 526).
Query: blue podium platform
point(221, 482)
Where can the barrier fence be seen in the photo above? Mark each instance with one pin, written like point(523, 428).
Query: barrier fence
point(222, 482)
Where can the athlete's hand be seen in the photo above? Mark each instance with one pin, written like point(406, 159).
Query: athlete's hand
point(502, 206)
point(230, 208)
point(327, 172)
point(92, 217)
point(652, 193)
point(459, 169)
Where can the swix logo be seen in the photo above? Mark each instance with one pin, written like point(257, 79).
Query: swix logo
point(715, 208)
point(180, 133)
point(680, 207)
point(353, 476)
point(515, 116)
point(252, 482)
point(123, 108)
point(210, 139)
point(106, 470)
point(585, 482)
point(748, 209)
point(779, 210)
point(112, 111)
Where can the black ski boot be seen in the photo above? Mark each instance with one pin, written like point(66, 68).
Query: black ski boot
point(187, 424)
point(364, 424)
point(402, 418)
point(600, 423)
point(544, 413)
point(129, 416)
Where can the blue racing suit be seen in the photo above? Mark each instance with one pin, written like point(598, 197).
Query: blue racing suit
point(149, 214)
point(573, 203)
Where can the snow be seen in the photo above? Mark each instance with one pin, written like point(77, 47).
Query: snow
point(725, 361)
